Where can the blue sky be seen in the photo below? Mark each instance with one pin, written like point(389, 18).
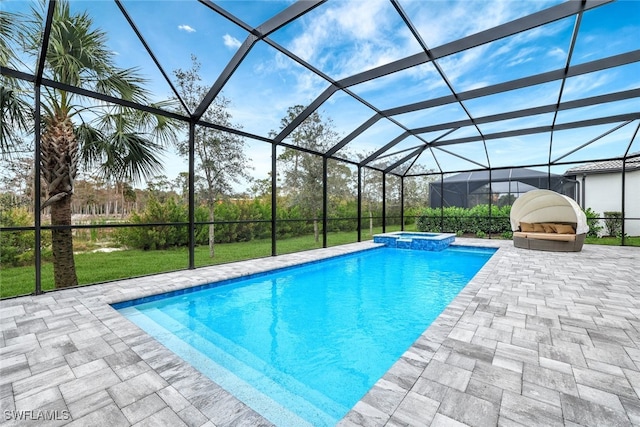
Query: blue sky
point(343, 38)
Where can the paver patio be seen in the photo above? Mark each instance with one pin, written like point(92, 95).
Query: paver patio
point(536, 338)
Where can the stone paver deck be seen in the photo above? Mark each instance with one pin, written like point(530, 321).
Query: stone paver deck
point(536, 338)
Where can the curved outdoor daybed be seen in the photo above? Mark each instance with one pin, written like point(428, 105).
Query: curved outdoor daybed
point(548, 221)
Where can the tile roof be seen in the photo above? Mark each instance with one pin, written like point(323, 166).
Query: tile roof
point(606, 166)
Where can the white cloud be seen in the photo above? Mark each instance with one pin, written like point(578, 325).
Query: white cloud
point(442, 22)
point(457, 67)
point(347, 38)
point(585, 85)
point(522, 55)
point(557, 53)
point(362, 19)
point(231, 42)
point(186, 28)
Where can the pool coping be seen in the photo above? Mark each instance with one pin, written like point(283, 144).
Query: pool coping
point(209, 284)
point(187, 352)
point(92, 364)
point(426, 236)
point(69, 351)
point(378, 405)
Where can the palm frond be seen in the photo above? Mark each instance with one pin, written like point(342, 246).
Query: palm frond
point(127, 84)
point(16, 117)
point(122, 143)
point(7, 33)
point(92, 142)
point(130, 157)
point(159, 127)
point(76, 50)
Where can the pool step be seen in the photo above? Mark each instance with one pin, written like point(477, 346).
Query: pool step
point(214, 360)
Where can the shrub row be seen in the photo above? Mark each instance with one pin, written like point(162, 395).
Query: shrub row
point(245, 221)
point(16, 247)
point(475, 220)
point(235, 222)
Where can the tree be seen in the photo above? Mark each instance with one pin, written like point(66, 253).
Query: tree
point(16, 116)
point(121, 143)
point(221, 161)
point(302, 172)
point(342, 184)
point(416, 188)
point(261, 188)
point(371, 189)
point(181, 184)
point(160, 188)
point(16, 180)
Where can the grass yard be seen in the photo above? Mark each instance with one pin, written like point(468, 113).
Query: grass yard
point(97, 267)
point(613, 241)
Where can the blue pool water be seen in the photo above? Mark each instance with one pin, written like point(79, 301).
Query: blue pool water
point(303, 345)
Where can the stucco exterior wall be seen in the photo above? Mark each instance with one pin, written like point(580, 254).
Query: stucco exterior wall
point(603, 193)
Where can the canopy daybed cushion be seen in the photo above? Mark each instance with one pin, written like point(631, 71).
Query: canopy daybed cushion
point(548, 221)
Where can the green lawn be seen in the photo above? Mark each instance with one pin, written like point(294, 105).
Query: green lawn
point(102, 267)
point(613, 241)
point(96, 267)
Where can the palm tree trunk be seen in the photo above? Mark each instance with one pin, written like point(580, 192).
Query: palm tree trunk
point(59, 165)
point(64, 268)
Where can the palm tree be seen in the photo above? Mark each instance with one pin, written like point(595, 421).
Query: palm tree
point(16, 113)
point(122, 143)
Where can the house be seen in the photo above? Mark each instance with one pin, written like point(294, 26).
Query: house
point(469, 189)
point(600, 188)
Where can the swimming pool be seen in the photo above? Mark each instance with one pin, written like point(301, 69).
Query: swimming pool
point(302, 345)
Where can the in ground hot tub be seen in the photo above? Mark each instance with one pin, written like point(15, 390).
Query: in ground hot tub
point(415, 240)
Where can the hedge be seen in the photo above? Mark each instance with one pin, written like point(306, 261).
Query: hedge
point(458, 220)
